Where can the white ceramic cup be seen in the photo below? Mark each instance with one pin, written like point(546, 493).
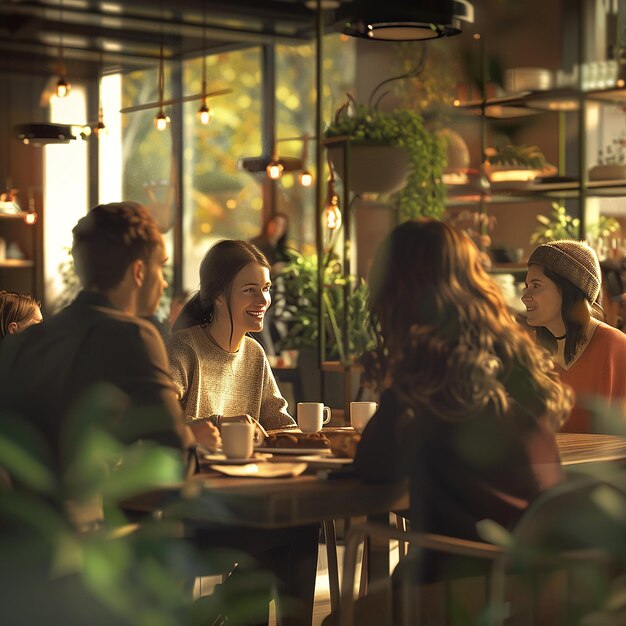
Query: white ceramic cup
point(312, 416)
point(360, 414)
point(238, 439)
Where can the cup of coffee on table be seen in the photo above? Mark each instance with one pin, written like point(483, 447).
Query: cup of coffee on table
point(238, 439)
point(360, 414)
point(312, 416)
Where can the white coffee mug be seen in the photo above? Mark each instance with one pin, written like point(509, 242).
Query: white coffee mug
point(238, 439)
point(312, 416)
point(360, 414)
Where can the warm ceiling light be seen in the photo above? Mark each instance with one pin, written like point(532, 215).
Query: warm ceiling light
point(161, 120)
point(275, 168)
point(31, 218)
point(305, 178)
point(332, 214)
point(205, 114)
point(399, 20)
point(63, 87)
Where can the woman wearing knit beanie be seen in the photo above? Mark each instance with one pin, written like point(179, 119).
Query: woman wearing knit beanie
point(562, 288)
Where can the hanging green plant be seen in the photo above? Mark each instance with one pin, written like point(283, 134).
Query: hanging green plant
point(424, 193)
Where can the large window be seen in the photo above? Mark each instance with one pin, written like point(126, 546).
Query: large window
point(221, 201)
point(295, 115)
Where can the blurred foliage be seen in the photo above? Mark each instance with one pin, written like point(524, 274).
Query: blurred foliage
point(560, 225)
point(221, 200)
point(60, 568)
point(296, 305)
point(577, 528)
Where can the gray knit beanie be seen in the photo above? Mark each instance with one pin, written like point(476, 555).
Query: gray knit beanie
point(574, 260)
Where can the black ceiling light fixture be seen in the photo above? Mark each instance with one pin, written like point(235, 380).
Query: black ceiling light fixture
point(404, 20)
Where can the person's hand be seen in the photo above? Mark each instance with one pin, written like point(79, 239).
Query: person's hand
point(344, 444)
point(260, 433)
point(207, 434)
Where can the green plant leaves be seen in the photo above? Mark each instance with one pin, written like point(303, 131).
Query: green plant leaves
point(424, 192)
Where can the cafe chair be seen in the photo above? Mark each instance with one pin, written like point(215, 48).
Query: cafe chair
point(556, 568)
point(358, 533)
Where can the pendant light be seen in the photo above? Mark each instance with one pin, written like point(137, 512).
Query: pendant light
point(305, 177)
point(63, 86)
point(332, 212)
point(161, 120)
point(205, 114)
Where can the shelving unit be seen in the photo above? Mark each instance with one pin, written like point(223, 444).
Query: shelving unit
point(23, 275)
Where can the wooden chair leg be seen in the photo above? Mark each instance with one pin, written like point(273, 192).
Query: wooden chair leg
point(402, 545)
point(364, 567)
point(330, 537)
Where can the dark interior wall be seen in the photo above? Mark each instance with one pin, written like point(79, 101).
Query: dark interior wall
point(22, 167)
point(514, 34)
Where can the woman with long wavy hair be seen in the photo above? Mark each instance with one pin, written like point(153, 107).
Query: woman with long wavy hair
point(469, 403)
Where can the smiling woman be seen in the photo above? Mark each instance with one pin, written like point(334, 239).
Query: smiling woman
point(562, 288)
point(221, 373)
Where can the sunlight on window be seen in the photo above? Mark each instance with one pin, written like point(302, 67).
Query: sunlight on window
point(65, 189)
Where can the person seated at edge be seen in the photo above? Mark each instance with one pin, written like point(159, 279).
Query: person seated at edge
point(469, 406)
point(562, 288)
point(222, 373)
point(118, 254)
point(17, 312)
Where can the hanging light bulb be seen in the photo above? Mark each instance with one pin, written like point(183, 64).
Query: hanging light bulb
point(63, 87)
point(99, 128)
point(161, 120)
point(332, 213)
point(205, 113)
point(305, 178)
point(31, 218)
point(275, 168)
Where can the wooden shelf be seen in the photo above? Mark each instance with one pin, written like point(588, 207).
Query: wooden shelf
point(461, 196)
point(13, 216)
point(16, 263)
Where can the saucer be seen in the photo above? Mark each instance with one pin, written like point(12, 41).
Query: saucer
point(222, 459)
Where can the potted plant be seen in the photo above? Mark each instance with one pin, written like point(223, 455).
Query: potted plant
point(511, 166)
point(560, 225)
point(296, 307)
point(394, 146)
point(611, 162)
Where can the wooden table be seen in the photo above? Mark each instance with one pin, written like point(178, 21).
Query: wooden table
point(579, 448)
point(281, 502)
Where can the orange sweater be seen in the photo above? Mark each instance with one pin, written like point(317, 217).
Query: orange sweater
point(601, 371)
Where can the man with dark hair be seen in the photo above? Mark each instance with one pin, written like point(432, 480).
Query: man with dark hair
point(119, 256)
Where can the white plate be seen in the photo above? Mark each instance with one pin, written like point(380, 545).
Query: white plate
point(316, 461)
point(217, 457)
point(297, 451)
point(263, 470)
